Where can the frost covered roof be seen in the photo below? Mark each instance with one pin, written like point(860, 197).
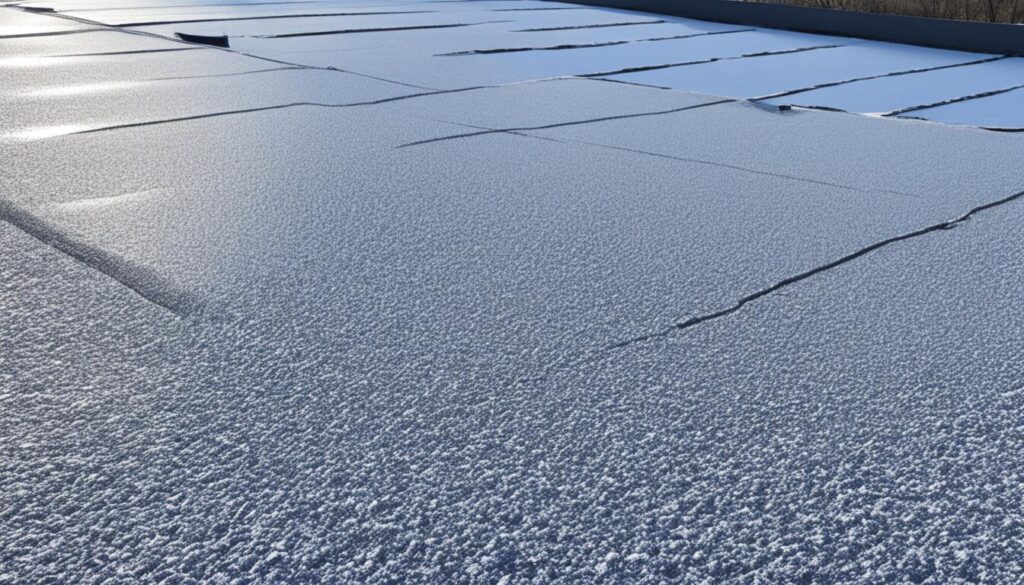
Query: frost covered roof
point(372, 297)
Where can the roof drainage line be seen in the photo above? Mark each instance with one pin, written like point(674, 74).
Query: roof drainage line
point(141, 280)
point(965, 98)
point(708, 60)
point(349, 31)
point(267, 17)
point(590, 45)
point(694, 321)
point(584, 26)
point(266, 109)
point(563, 124)
point(870, 77)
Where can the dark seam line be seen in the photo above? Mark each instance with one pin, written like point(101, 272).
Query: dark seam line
point(54, 33)
point(708, 60)
point(588, 45)
point(946, 225)
point(268, 17)
point(562, 124)
point(329, 68)
point(870, 77)
point(514, 133)
point(267, 108)
point(116, 53)
point(612, 24)
point(196, 117)
point(370, 30)
point(965, 98)
point(624, 82)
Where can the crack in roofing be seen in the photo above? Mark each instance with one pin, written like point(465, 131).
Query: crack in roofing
point(879, 76)
point(583, 26)
point(957, 100)
point(267, 17)
point(789, 281)
point(139, 279)
point(562, 124)
point(590, 45)
point(709, 60)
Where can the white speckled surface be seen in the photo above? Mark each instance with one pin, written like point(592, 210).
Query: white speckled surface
point(267, 323)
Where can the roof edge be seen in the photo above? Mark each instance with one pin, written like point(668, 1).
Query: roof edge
point(960, 35)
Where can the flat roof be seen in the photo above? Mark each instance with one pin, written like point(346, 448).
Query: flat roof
point(502, 291)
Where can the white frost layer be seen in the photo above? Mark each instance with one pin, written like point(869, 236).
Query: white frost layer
point(408, 362)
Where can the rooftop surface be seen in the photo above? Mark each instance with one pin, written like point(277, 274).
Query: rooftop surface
point(373, 297)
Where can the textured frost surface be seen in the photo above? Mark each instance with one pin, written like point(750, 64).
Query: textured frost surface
point(265, 323)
